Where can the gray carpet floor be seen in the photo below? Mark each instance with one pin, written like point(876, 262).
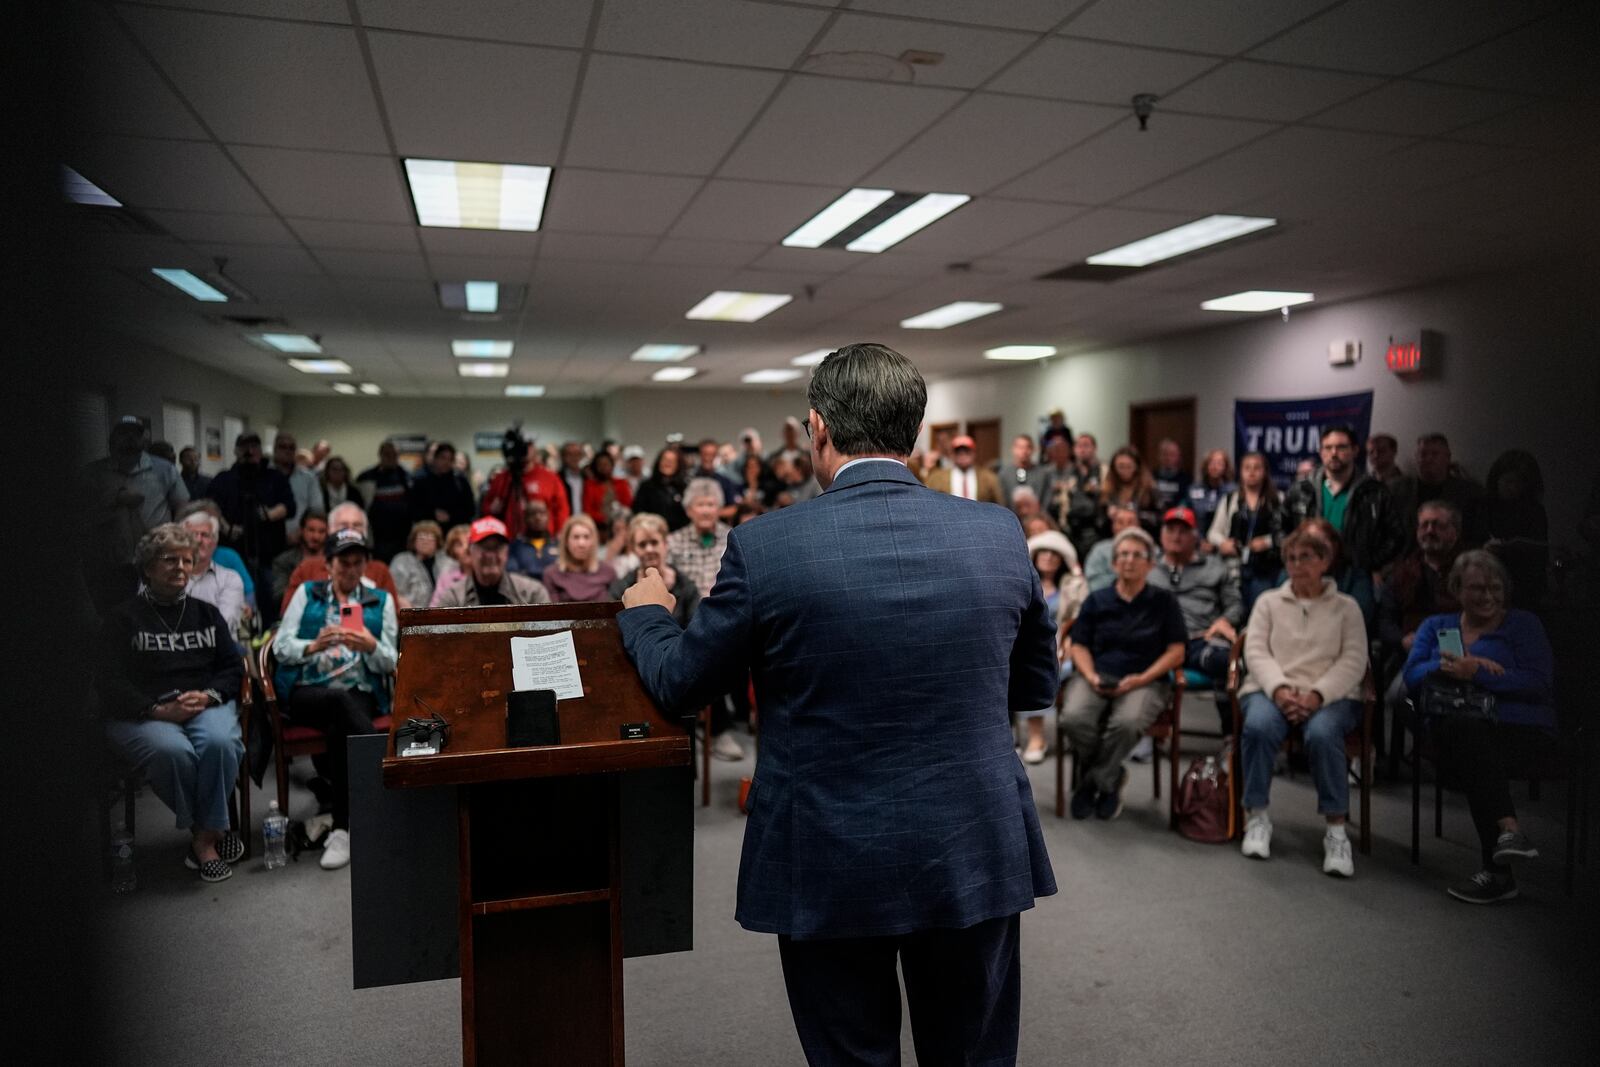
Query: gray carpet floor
point(1156, 950)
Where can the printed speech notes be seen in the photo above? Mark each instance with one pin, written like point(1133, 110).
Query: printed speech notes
point(547, 663)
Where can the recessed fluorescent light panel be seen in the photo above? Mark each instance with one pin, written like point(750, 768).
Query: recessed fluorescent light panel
point(81, 190)
point(1257, 300)
point(950, 315)
point(871, 220)
point(483, 370)
point(770, 377)
point(1020, 352)
point(371, 389)
point(290, 342)
point(477, 196)
point(673, 374)
point(481, 349)
point(344, 389)
point(190, 284)
point(1213, 229)
point(811, 359)
point(524, 390)
point(482, 298)
point(726, 306)
point(320, 366)
point(663, 353)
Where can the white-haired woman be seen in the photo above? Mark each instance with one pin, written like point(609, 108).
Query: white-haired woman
point(169, 678)
point(579, 574)
point(1504, 664)
point(697, 548)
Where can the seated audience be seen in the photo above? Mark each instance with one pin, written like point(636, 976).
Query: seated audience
point(795, 480)
point(1170, 478)
point(1020, 472)
point(453, 568)
point(440, 492)
point(647, 540)
point(1437, 478)
point(1306, 653)
point(1247, 529)
point(1128, 483)
point(1098, 570)
point(535, 550)
point(224, 556)
point(1516, 525)
point(1507, 669)
point(964, 478)
point(1061, 579)
point(580, 574)
point(313, 540)
point(713, 458)
point(385, 487)
point(1208, 595)
point(1207, 492)
point(697, 548)
point(486, 580)
point(337, 488)
point(1054, 475)
point(336, 658)
point(792, 448)
point(169, 677)
point(416, 569)
point(759, 485)
point(217, 586)
point(633, 467)
point(1359, 508)
point(662, 492)
point(606, 498)
point(313, 569)
point(1074, 497)
point(1125, 640)
point(1417, 585)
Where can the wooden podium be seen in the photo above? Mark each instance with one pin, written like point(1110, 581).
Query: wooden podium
point(544, 841)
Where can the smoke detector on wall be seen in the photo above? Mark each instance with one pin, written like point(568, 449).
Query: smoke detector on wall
point(1344, 353)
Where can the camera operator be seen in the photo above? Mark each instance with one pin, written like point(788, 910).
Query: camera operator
point(523, 479)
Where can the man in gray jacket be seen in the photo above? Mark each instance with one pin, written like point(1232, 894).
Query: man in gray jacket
point(1207, 591)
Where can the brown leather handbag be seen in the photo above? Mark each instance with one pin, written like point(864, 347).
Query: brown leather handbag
point(1205, 807)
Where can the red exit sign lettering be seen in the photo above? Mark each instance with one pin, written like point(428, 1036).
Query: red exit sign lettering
point(1404, 357)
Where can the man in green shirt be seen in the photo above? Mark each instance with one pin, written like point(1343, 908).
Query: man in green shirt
point(1360, 508)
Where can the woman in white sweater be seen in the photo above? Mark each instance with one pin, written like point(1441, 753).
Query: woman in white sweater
point(1306, 651)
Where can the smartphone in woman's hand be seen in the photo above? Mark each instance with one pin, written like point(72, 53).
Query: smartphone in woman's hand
point(1450, 643)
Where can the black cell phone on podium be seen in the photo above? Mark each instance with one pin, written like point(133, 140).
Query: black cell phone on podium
point(531, 718)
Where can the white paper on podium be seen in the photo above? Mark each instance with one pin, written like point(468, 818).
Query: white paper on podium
point(547, 663)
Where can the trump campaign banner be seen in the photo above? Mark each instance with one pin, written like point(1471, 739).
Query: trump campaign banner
point(1287, 431)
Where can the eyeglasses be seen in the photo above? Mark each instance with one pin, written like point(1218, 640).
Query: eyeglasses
point(1130, 554)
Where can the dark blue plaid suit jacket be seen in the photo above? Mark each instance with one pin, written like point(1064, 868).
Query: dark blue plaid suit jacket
point(890, 629)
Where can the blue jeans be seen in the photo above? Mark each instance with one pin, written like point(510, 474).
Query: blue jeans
point(192, 767)
point(1264, 731)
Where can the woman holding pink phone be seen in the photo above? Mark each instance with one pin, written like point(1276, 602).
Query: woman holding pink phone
point(1483, 681)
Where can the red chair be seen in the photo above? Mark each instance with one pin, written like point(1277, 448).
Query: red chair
point(288, 739)
point(704, 720)
point(1163, 732)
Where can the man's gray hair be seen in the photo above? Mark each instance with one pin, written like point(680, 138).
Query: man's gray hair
point(205, 517)
point(1021, 491)
point(704, 487)
point(871, 398)
point(1444, 506)
point(347, 506)
point(1134, 533)
point(159, 541)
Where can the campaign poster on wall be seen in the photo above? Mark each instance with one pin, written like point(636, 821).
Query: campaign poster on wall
point(1288, 431)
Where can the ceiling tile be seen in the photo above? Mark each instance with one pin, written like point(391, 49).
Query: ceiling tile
point(983, 226)
point(1223, 27)
point(555, 22)
point(1554, 55)
point(294, 84)
point(715, 31)
point(360, 236)
point(971, 56)
point(662, 116)
point(474, 100)
point(601, 249)
point(593, 201)
point(751, 211)
point(444, 241)
point(210, 227)
point(1036, 15)
point(270, 259)
point(1545, 124)
point(1097, 231)
point(1267, 91)
point(1125, 158)
point(812, 261)
point(328, 185)
point(507, 269)
point(186, 175)
point(121, 92)
point(832, 131)
point(1389, 37)
point(307, 10)
point(987, 140)
point(1100, 73)
point(1418, 108)
point(707, 253)
point(344, 263)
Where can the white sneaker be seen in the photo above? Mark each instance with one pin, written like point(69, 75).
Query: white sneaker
point(1143, 750)
point(1336, 856)
point(726, 747)
point(1257, 836)
point(336, 853)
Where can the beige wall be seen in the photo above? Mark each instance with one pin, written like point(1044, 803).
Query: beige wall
point(646, 416)
point(1518, 369)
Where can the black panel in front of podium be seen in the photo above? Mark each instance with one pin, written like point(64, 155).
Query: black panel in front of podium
point(403, 877)
point(657, 861)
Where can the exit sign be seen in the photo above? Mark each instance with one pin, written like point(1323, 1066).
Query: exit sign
point(1411, 356)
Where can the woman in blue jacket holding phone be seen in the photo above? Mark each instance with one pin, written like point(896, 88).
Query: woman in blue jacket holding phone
point(1492, 666)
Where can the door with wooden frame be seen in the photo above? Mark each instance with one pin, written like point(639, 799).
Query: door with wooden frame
point(1151, 422)
point(939, 436)
point(985, 434)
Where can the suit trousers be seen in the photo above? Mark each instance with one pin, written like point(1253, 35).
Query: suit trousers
point(964, 989)
point(1103, 731)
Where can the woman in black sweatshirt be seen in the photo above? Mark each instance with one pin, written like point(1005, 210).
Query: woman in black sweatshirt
point(169, 679)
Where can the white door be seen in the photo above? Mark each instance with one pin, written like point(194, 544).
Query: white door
point(178, 425)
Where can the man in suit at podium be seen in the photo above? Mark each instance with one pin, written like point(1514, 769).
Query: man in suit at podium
point(890, 630)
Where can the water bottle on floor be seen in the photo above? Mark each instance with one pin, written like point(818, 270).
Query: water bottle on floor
point(274, 836)
point(124, 878)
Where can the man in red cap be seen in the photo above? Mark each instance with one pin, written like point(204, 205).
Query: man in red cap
point(965, 478)
point(487, 581)
point(1207, 594)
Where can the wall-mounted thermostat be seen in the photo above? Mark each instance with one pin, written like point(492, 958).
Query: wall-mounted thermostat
point(1344, 353)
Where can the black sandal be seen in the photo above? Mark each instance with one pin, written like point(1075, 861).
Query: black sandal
point(230, 846)
point(210, 870)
